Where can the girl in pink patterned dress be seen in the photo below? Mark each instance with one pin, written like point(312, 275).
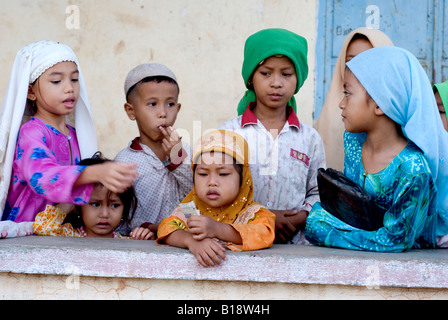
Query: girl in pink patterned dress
point(39, 163)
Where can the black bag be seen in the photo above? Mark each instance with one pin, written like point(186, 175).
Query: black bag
point(347, 201)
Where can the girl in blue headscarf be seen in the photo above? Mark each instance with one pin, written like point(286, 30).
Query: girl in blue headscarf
point(397, 149)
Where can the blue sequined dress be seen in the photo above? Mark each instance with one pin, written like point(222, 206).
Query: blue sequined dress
point(405, 189)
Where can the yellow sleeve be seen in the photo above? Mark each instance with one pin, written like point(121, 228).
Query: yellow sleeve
point(258, 234)
point(49, 223)
point(168, 226)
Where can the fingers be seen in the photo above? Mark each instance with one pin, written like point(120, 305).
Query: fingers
point(198, 233)
point(284, 235)
point(221, 250)
point(199, 236)
point(212, 255)
point(170, 139)
point(199, 227)
point(127, 170)
point(280, 238)
point(284, 225)
point(120, 176)
point(141, 233)
point(284, 229)
point(170, 134)
point(289, 213)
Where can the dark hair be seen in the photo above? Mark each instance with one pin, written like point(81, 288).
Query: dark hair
point(359, 36)
point(156, 79)
point(128, 198)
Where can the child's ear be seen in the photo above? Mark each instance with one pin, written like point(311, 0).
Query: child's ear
point(378, 111)
point(129, 108)
point(31, 96)
point(179, 106)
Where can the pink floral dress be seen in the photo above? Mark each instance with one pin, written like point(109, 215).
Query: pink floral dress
point(44, 172)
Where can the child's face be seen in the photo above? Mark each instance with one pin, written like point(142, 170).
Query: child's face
point(216, 180)
point(155, 105)
point(356, 47)
point(56, 92)
point(102, 214)
point(275, 82)
point(357, 107)
point(441, 110)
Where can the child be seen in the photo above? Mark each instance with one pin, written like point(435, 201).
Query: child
point(223, 194)
point(396, 149)
point(285, 153)
point(39, 164)
point(441, 95)
point(164, 176)
point(97, 219)
point(330, 128)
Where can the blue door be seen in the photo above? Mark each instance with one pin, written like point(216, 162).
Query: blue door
point(416, 25)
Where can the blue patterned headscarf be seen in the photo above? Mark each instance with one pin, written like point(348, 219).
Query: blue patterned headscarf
point(399, 85)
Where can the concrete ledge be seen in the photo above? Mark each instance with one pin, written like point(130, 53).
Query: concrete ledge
point(280, 264)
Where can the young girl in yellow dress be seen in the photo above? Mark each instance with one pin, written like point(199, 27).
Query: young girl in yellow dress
point(99, 218)
point(221, 202)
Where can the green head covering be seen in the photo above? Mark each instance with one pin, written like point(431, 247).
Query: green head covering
point(268, 43)
point(442, 88)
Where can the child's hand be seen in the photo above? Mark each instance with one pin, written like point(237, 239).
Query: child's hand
point(170, 140)
point(117, 176)
point(284, 228)
point(208, 252)
point(297, 219)
point(202, 227)
point(141, 233)
point(288, 223)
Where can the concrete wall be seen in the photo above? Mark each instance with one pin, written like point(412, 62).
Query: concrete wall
point(202, 41)
point(74, 268)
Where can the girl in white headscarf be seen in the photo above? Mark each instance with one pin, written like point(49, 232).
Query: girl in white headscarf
point(38, 160)
point(329, 124)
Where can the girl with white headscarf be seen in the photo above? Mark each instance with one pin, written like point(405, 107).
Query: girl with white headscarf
point(329, 124)
point(38, 161)
point(412, 188)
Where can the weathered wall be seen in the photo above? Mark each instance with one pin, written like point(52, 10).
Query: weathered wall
point(48, 287)
point(202, 41)
point(78, 268)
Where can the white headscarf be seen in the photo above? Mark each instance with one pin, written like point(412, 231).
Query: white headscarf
point(329, 124)
point(30, 63)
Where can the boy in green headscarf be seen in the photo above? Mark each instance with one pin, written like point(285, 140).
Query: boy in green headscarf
point(285, 153)
point(441, 95)
point(268, 43)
